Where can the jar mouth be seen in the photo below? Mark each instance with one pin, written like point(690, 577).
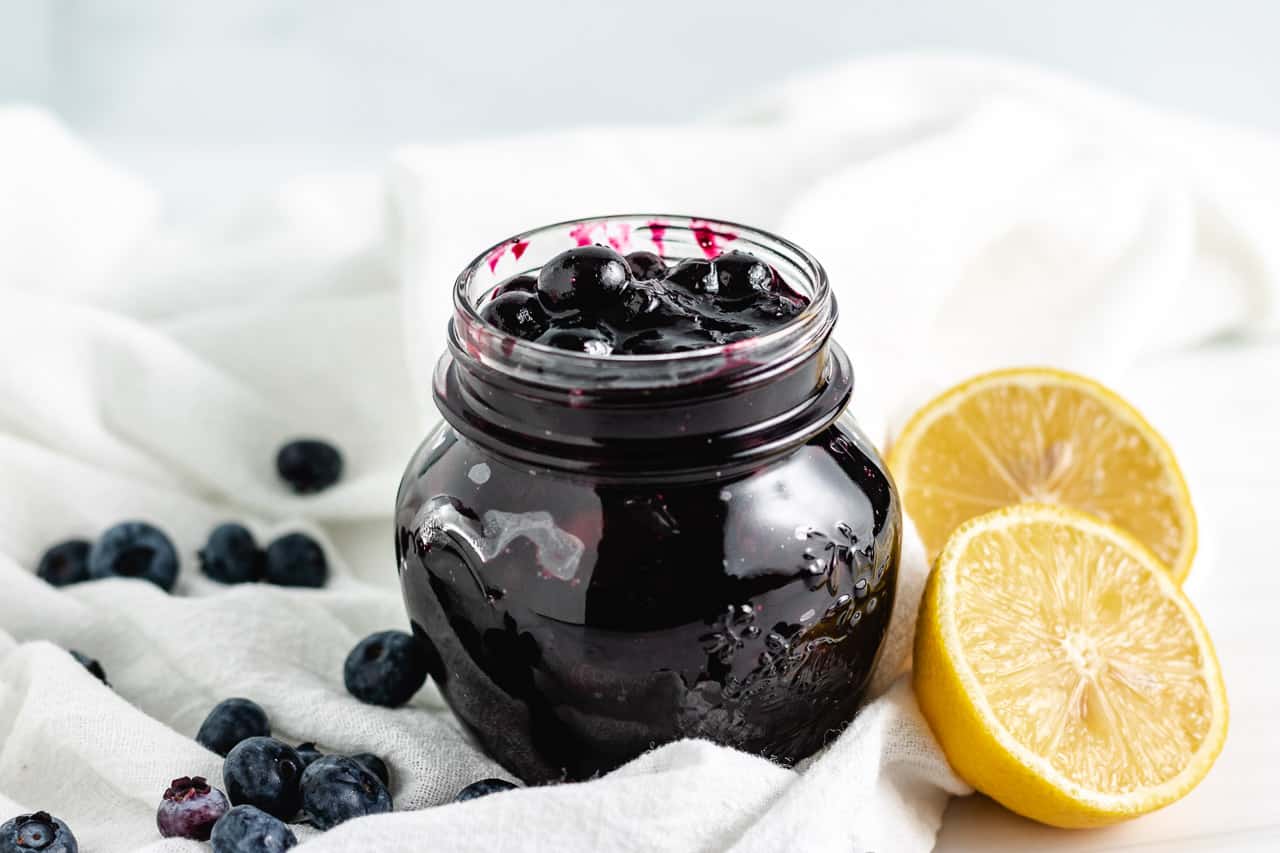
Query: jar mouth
point(669, 235)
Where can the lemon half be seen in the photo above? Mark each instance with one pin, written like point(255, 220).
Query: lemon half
point(1043, 436)
point(1063, 672)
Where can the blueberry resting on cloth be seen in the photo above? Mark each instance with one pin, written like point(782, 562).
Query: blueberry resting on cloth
point(385, 668)
point(308, 752)
point(65, 563)
point(483, 788)
point(266, 773)
point(135, 549)
point(336, 789)
point(296, 559)
point(231, 721)
point(374, 765)
point(190, 808)
point(231, 555)
point(38, 831)
point(246, 829)
point(309, 465)
point(92, 665)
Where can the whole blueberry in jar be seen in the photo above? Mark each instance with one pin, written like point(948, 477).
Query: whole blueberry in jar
point(681, 535)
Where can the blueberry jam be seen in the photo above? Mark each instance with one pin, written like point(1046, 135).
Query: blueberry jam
point(602, 555)
point(592, 299)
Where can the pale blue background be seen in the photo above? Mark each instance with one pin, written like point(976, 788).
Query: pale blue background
point(211, 99)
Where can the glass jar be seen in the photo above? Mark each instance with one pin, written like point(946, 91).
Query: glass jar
point(604, 554)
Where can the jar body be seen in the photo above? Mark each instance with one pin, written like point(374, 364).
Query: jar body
point(575, 621)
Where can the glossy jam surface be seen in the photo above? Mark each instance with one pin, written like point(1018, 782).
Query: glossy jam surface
point(593, 299)
point(576, 622)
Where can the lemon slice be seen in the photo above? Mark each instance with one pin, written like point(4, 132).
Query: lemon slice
point(1064, 673)
point(1043, 436)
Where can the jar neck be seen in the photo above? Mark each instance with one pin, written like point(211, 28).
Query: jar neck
point(749, 412)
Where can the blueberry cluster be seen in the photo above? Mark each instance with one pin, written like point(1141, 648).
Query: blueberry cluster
point(595, 300)
point(276, 780)
point(136, 549)
point(232, 556)
point(268, 782)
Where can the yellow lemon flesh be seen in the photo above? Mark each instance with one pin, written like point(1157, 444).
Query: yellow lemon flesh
point(1063, 672)
point(1043, 436)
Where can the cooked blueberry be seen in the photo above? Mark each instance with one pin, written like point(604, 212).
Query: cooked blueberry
point(741, 276)
point(581, 339)
point(296, 559)
point(308, 752)
point(517, 313)
point(646, 265)
point(231, 555)
point(65, 563)
point(694, 276)
point(336, 789)
point(95, 668)
point(37, 831)
point(386, 668)
point(266, 773)
point(309, 465)
point(374, 765)
point(230, 722)
point(135, 549)
point(582, 279)
point(483, 788)
point(190, 808)
point(246, 829)
point(516, 284)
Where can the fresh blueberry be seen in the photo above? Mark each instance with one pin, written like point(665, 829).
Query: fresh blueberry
point(742, 276)
point(385, 668)
point(38, 831)
point(266, 773)
point(517, 313)
point(95, 668)
point(231, 555)
point(517, 284)
point(580, 339)
point(65, 563)
point(583, 279)
point(374, 765)
point(296, 559)
point(246, 829)
point(309, 465)
point(336, 789)
point(646, 265)
point(135, 549)
point(483, 788)
point(694, 276)
point(190, 808)
point(308, 752)
point(231, 721)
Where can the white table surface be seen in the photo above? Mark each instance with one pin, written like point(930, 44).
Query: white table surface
point(1220, 409)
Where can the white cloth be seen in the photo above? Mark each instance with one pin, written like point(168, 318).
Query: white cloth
point(971, 214)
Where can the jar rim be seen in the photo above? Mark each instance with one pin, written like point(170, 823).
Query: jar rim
point(472, 338)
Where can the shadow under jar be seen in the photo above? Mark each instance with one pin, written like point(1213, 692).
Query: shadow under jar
point(607, 553)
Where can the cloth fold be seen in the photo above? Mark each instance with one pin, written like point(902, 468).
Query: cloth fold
point(970, 214)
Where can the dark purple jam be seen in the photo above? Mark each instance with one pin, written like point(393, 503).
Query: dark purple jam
point(597, 562)
point(593, 299)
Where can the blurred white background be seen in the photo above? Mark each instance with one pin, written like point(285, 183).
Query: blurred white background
point(210, 100)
